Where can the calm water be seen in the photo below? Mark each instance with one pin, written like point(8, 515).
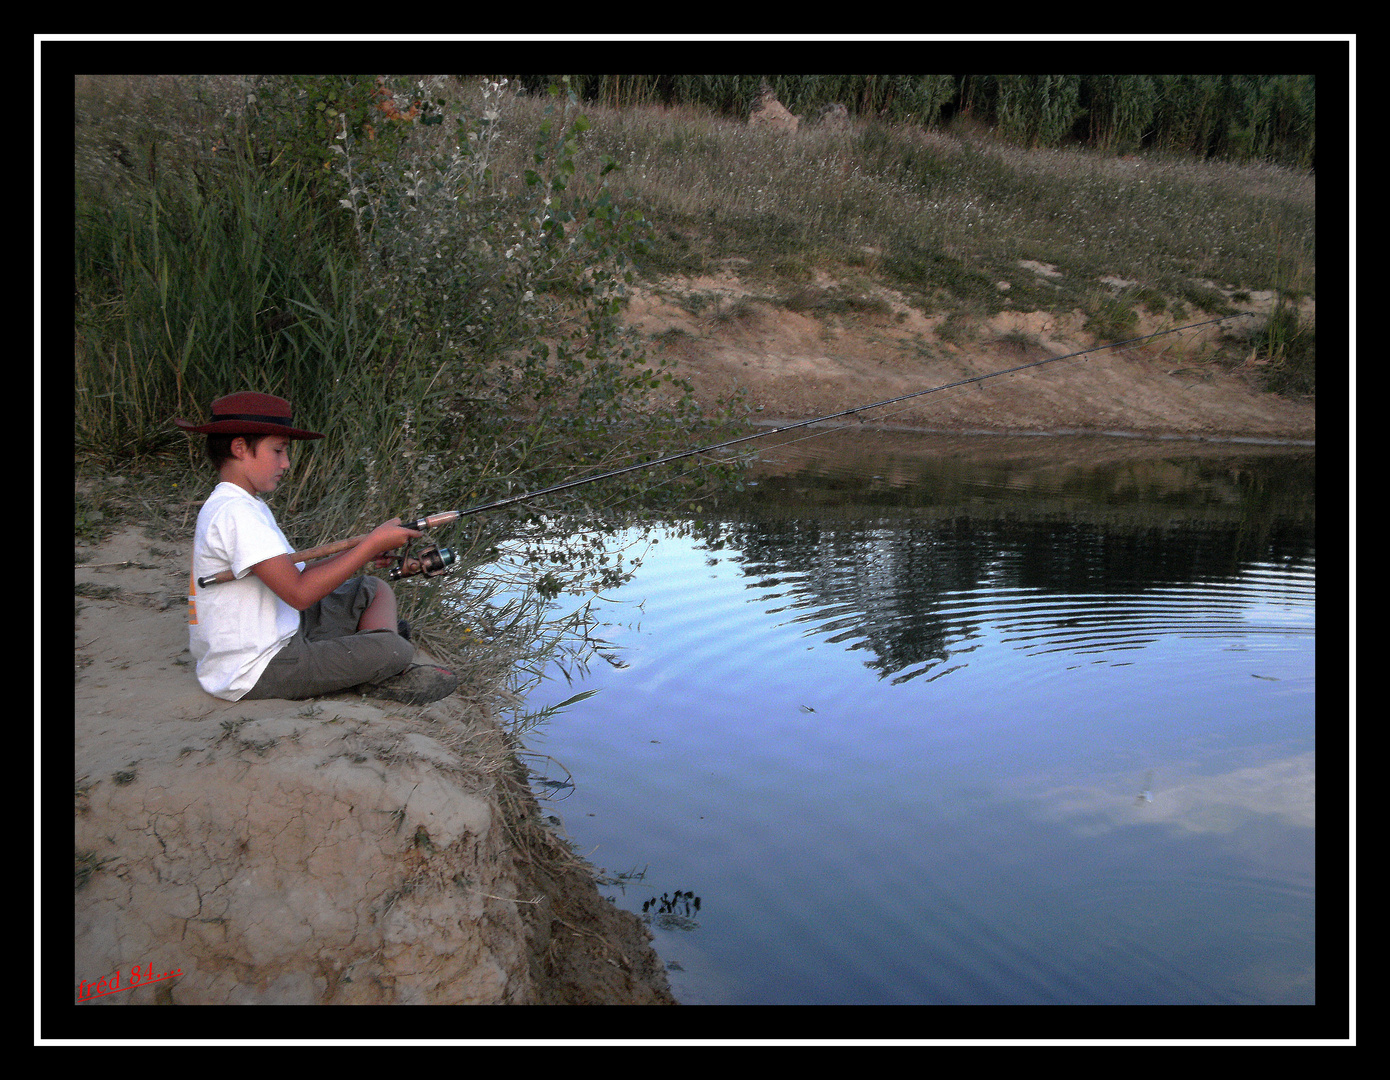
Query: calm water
point(941, 722)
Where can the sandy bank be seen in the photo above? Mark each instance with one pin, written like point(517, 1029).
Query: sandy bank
point(839, 345)
point(339, 851)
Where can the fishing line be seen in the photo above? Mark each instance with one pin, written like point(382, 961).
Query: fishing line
point(796, 425)
point(434, 560)
point(975, 379)
point(958, 384)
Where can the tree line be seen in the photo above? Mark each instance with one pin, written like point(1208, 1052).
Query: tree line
point(1229, 117)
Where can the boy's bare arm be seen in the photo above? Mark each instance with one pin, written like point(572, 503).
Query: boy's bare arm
point(299, 588)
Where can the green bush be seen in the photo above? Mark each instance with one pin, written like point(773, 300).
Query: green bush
point(1290, 347)
point(1111, 319)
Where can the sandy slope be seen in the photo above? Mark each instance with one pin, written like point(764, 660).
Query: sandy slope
point(336, 851)
point(799, 363)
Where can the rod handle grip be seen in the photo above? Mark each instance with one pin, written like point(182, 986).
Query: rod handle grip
point(429, 521)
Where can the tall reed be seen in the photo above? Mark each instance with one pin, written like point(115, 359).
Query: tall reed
point(190, 294)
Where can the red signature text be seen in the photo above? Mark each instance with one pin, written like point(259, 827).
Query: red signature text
point(114, 984)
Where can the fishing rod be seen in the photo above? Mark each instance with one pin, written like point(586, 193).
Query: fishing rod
point(435, 560)
point(430, 561)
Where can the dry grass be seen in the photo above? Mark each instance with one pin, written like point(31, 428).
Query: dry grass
point(947, 215)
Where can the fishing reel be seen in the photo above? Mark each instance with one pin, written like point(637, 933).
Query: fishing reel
point(430, 562)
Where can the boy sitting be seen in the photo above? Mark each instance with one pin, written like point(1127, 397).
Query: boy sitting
point(283, 629)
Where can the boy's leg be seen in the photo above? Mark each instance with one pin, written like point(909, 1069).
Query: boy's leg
point(357, 605)
point(329, 654)
point(415, 684)
point(305, 668)
point(380, 613)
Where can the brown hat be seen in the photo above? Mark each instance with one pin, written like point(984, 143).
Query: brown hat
point(249, 413)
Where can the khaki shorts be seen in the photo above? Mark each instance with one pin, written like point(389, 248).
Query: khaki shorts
point(328, 654)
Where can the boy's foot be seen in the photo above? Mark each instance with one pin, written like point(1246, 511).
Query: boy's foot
point(418, 684)
point(403, 628)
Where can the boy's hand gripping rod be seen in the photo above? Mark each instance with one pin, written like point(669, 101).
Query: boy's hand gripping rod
point(432, 561)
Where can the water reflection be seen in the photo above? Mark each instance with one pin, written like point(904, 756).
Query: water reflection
point(1069, 716)
point(918, 597)
point(1283, 790)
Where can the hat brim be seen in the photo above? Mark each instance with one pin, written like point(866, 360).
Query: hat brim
point(247, 427)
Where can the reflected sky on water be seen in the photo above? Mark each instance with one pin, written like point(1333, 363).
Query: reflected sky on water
point(950, 728)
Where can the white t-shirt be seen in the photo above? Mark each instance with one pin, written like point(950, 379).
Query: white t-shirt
point(236, 628)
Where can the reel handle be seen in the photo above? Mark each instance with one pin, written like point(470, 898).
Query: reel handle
point(431, 562)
